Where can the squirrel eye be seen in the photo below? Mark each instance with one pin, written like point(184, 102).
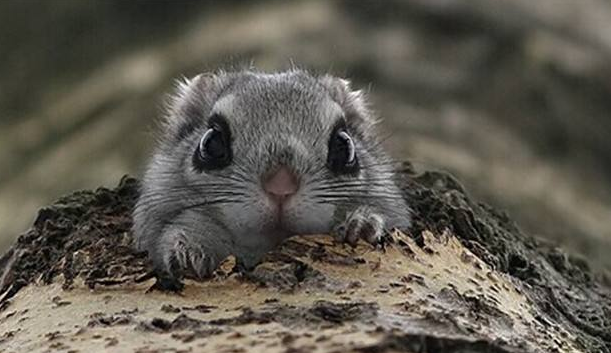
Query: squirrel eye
point(342, 157)
point(214, 150)
point(349, 145)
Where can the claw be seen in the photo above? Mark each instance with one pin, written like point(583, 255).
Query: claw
point(188, 260)
point(361, 223)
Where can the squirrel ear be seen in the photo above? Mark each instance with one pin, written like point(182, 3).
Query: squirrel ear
point(353, 102)
point(189, 106)
point(184, 86)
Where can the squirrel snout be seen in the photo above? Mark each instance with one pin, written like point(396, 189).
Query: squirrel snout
point(281, 184)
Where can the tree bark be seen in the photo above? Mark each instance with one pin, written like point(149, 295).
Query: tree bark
point(464, 278)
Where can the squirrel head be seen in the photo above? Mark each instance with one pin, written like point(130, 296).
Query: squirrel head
point(283, 152)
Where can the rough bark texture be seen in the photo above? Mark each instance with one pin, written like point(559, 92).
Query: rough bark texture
point(464, 279)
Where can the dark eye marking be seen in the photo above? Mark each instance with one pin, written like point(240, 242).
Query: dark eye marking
point(214, 148)
point(342, 157)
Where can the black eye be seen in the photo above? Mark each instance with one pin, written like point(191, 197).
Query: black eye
point(214, 148)
point(342, 157)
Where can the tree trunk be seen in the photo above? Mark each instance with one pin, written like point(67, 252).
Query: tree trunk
point(463, 279)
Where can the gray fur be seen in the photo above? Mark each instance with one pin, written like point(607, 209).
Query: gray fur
point(189, 220)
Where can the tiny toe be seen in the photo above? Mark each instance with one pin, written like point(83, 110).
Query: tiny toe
point(368, 232)
point(167, 283)
point(340, 233)
point(352, 231)
point(174, 262)
point(375, 229)
point(179, 250)
point(205, 266)
point(198, 267)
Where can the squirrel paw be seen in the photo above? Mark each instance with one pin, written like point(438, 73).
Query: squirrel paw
point(185, 259)
point(362, 223)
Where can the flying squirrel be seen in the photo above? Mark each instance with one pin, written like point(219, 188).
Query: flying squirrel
point(246, 159)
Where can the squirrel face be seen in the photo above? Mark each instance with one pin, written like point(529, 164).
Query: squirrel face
point(265, 156)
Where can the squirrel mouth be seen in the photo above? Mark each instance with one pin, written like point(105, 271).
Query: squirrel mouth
point(278, 219)
point(278, 224)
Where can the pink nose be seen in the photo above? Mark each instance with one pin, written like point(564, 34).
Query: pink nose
point(281, 184)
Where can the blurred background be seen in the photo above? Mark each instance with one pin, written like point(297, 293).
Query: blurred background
point(512, 96)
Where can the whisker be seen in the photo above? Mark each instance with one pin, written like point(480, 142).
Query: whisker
point(358, 196)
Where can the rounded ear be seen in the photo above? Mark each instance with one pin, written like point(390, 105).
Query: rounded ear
point(353, 102)
point(191, 103)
